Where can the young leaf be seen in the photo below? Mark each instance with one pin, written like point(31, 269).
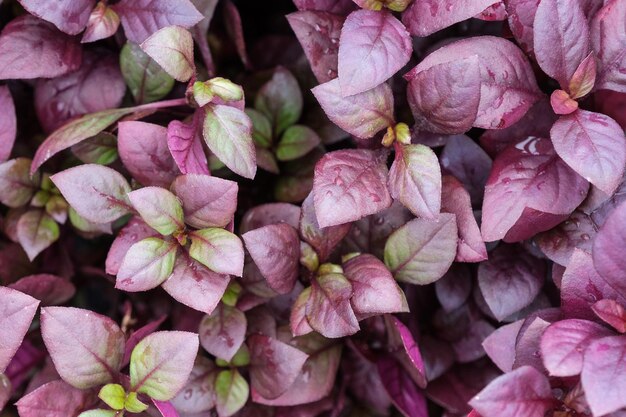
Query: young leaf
point(86, 348)
point(56, 399)
point(36, 231)
point(146, 79)
point(562, 103)
point(454, 288)
point(608, 40)
point(362, 115)
point(296, 141)
point(146, 265)
point(134, 231)
point(415, 180)
point(96, 192)
point(323, 240)
point(421, 251)
point(172, 48)
point(227, 132)
point(17, 185)
point(423, 18)
point(280, 100)
point(185, 144)
point(8, 123)
point(349, 185)
point(275, 249)
point(231, 392)
point(159, 208)
point(49, 289)
point(217, 249)
point(372, 48)
point(328, 309)
point(593, 145)
point(601, 378)
point(612, 313)
point(161, 363)
point(16, 313)
point(584, 77)
point(103, 22)
point(223, 331)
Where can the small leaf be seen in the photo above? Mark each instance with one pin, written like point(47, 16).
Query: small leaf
point(323, 240)
point(280, 100)
point(159, 208)
point(172, 48)
point(562, 103)
point(231, 392)
point(134, 231)
point(612, 313)
point(50, 289)
point(16, 313)
point(296, 141)
point(146, 79)
point(146, 265)
point(103, 22)
point(328, 309)
point(56, 399)
point(185, 144)
point(36, 231)
point(17, 185)
point(298, 323)
point(223, 331)
point(113, 395)
point(217, 249)
point(584, 77)
point(261, 128)
point(8, 123)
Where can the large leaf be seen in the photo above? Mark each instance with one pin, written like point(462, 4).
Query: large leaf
point(429, 16)
point(608, 37)
point(146, 265)
point(217, 249)
point(280, 100)
point(159, 208)
point(328, 309)
point(223, 331)
point(55, 399)
point(349, 185)
point(18, 186)
point(593, 145)
point(372, 48)
point(96, 192)
point(86, 348)
point(530, 190)
point(421, 251)
point(8, 123)
point(70, 16)
point(16, 313)
point(362, 115)
point(146, 79)
point(36, 231)
point(323, 240)
point(161, 363)
point(172, 48)
point(31, 48)
point(184, 141)
point(602, 379)
point(231, 392)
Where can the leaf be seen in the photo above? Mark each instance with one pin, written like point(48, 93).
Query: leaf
point(280, 100)
point(193, 397)
point(31, 48)
point(454, 288)
point(36, 231)
point(17, 185)
point(401, 388)
point(373, 46)
point(231, 392)
point(374, 289)
point(5, 390)
point(68, 15)
point(583, 80)
point(185, 144)
point(141, 18)
point(100, 149)
point(296, 142)
point(172, 48)
point(223, 331)
point(500, 345)
point(86, 348)
point(362, 115)
point(415, 180)
point(218, 250)
point(17, 310)
point(234, 28)
point(421, 251)
point(320, 46)
point(275, 249)
point(593, 145)
point(103, 22)
point(328, 309)
point(146, 265)
point(530, 190)
point(8, 123)
point(423, 18)
point(409, 354)
point(323, 240)
point(138, 335)
point(165, 408)
point(601, 378)
point(146, 79)
point(134, 231)
point(227, 132)
point(561, 41)
point(612, 313)
point(524, 392)
point(207, 201)
point(49, 289)
point(349, 185)
point(55, 399)
point(563, 344)
point(607, 258)
point(608, 39)
point(159, 208)
point(161, 363)
point(96, 192)
point(562, 103)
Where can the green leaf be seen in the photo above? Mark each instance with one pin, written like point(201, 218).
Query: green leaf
point(145, 78)
point(16, 184)
point(99, 413)
point(297, 141)
point(159, 208)
point(133, 405)
point(261, 128)
point(280, 100)
point(146, 265)
point(36, 231)
point(172, 48)
point(100, 149)
point(217, 249)
point(113, 395)
point(231, 392)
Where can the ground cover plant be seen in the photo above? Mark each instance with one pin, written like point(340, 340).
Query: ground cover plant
point(332, 208)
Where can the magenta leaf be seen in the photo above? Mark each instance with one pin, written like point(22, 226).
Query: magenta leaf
point(134, 231)
point(530, 190)
point(86, 348)
point(185, 144)
point(328, 310)
point(415, 180)
point(69, 16)
point(429, 16)
point(8, 123)
point(143, 150)
point(223, 331)
point(275, 250)
point(31, 48)
point(373, 46)
point(36, 231)
point(577, 231)
point(323, 240)
point(172, 48)
point(193, 397)
point(165, 408)
point(607, 39)
point(606, 254)
point(500, 345)
point(602, 380)
point(410, 355)
point(49, 289)
point(161, 363)
point(159, 208)
point(16, 313)
point(349, 185)
point(96, 192)
point(280, 100)
point(401, 388)
point(55, 399)
point(612, 313)
point(593, 145)
point(103, 22)
point(217, 249)
point(362, 115)
point(146, 265)
point(421, 251)
point(207, 201)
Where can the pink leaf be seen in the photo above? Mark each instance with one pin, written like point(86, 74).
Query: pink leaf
point(608, 37)
point(18, 186)
point(147, 264)
point(562, 103)
point(185, 144)
point(134, 231)
point(103, 23)
point(500, 345)
point(607, 257)
point(49, 289)
point(8, 123)
point(16, 313)
point(70, 16)
point(217, 249)
point(138, 335)
point(328, 310)
point(559, 243)
point(429, 16)
point(602, 380)
point(56, 399)
point(36, 231)
point(223, 331)
point(612, 313)
point(521, 20)
point(165, 408)
point(172, 48)
point(584, 78)
point(195, 397)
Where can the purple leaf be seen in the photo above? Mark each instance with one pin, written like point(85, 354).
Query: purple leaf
point(372, 48)
point(375, 291)
point(421, 251)
point(134, 231)
point(274, 365)
point(141, 18)
point(172, 48)
point(469, 347)
point(143, 150)
point(500, 345)
point(429, 16)
point(217, 249)
point(362, 115)
point(323, 240)
point(563, 344)
point(207, 201)
point(530, 190)
point(298, 323)
point(36, 231)
point(69, 16)
point(16, 313)
point(401, 388)
point(521, 16)
point(271, 213)
point(318, 33)
point(328, 309)
point(415, 180)
point(103, 22)
point(49, 289)
point(524, 392)
point(159, 208)
point(280, 100)
point(607, 257)
point(8, 123)
point(234, 28)
point(608, 39)
point(223, 331)
point(602, 379)
point(161, 363)
point(96, 192)
point(86, 348)
point(510, 280)
point(349, 185)
point(165, 408)
point(146, 265)
point(275, 250)
point(195, 397)
point(18, 186)
point(410, 351)
point(612, 313)
point(593, 145)
point(454, 288)
point(577, 231)
point(340, 7)
point(55, 399)
point(31, 48)
point(185, 144)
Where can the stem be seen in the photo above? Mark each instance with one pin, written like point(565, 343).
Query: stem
point(162, 104)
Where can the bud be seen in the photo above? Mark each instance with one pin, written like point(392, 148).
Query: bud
point(398, 5)
point(308, 257)
point(389, 138)
point(402, 133)
point(202, 93)
point(329, 268)
point(225, 89)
